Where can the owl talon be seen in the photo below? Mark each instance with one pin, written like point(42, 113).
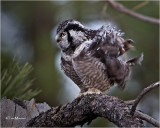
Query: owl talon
point(90, 91)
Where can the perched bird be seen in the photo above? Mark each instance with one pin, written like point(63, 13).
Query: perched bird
point(90, 57)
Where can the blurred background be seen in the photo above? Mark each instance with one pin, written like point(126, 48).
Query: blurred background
point(28, 32)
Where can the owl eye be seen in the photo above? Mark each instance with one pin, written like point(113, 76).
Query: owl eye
point(63, 34)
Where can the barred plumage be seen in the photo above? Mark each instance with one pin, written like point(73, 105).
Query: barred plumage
point(90, 57)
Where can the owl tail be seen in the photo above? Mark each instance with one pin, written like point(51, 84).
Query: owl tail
point(136, 60)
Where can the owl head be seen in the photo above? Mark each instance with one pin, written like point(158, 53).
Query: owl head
point(70, 34)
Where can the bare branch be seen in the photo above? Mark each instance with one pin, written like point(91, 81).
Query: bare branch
point(85, 109)
point(147, 118)
point(123, 9)
point(140, 96)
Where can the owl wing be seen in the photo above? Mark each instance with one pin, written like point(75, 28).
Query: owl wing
point(111, 42)
point(112, 50)
point(91, 71)
point(117, 70)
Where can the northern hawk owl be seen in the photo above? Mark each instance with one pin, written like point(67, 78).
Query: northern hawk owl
point(91, 57)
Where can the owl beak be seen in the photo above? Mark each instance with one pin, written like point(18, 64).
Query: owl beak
point(57, 38)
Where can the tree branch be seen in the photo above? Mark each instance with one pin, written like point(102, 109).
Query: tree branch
point(140, 96)
point(82, 110)
point(94, 105)
point(122, 9)
point(147, 118)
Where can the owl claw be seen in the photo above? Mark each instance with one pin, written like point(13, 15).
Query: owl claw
point(90, 91)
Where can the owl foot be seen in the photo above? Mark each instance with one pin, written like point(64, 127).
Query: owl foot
point(90, 91)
